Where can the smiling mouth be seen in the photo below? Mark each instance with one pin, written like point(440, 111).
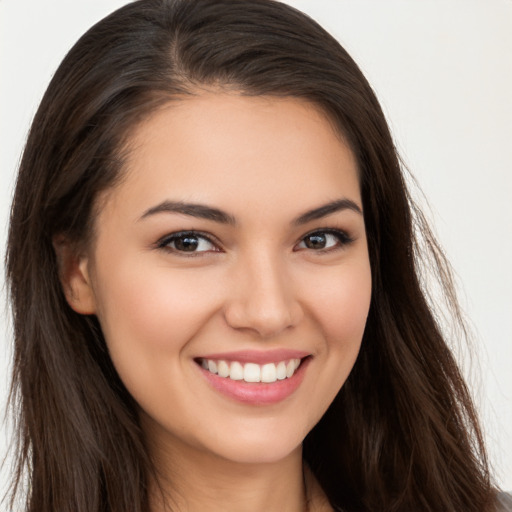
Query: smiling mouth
point(251, 372)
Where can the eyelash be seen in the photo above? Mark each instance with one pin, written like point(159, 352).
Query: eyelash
point(164, 242)
point(343, 240)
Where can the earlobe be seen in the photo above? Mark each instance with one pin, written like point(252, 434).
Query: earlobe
point(74, 275)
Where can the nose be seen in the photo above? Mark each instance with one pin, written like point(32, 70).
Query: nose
point(262, 298)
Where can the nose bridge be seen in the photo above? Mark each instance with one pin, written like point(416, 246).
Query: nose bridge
point(263, 298)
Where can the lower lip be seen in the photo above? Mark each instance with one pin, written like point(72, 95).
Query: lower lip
point(257, 393)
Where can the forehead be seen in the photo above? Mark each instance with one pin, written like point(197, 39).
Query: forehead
point(247, 152)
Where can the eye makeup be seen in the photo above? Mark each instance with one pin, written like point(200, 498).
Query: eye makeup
point(324, 240)
point(188, 243)
point(194, 243)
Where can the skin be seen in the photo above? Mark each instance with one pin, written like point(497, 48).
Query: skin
point(257, 285)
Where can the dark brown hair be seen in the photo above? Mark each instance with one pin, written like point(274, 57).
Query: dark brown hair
point(401, 435)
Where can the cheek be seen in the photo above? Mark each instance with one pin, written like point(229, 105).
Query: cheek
point(340, 307)
point(149, 313)
point(341, 304)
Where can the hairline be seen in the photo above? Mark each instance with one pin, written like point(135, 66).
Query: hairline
point(162, 101)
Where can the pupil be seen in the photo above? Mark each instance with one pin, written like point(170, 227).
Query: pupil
point(316, 241)
point(186, 243)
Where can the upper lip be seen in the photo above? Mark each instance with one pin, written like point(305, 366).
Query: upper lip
point(258, 356)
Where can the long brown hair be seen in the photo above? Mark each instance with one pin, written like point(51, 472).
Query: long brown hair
point(401, 435)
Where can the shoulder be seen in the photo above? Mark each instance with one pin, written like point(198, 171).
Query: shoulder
point(504, 502)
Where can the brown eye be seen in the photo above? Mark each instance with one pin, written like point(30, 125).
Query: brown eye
point(316, 241)
point(187, 243)
point(324, 240)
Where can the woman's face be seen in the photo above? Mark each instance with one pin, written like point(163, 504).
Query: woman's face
point(235, 244)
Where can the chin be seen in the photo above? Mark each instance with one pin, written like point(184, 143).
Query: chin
point(259, 446)
point(259, 452)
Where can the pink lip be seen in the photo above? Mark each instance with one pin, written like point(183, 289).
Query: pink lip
point(257, 393)
point(258, 357)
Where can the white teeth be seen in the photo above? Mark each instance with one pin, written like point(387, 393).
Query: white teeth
point(212, 366)
point(290, 367)
point(223, 369)
point(237, 371)
point(252, 372)
point(281, 370)
point(268, 373)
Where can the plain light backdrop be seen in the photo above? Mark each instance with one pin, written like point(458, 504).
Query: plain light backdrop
point(442, 70)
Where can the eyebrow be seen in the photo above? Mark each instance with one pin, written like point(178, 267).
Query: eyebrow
point(192, 209)
point(214, 214)
point(327, 209)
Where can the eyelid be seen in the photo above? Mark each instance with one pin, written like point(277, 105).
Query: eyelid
point(342, 235)
point(163, 242)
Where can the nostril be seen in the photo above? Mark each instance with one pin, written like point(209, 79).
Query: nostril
point(267, 322)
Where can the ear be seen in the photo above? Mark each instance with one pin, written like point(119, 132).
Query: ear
point(74, 275)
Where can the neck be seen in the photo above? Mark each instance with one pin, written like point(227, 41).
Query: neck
point(193, 481)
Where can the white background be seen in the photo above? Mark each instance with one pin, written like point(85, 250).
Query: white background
point(443, 72)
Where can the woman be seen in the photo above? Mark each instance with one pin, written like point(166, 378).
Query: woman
point(214, 281)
